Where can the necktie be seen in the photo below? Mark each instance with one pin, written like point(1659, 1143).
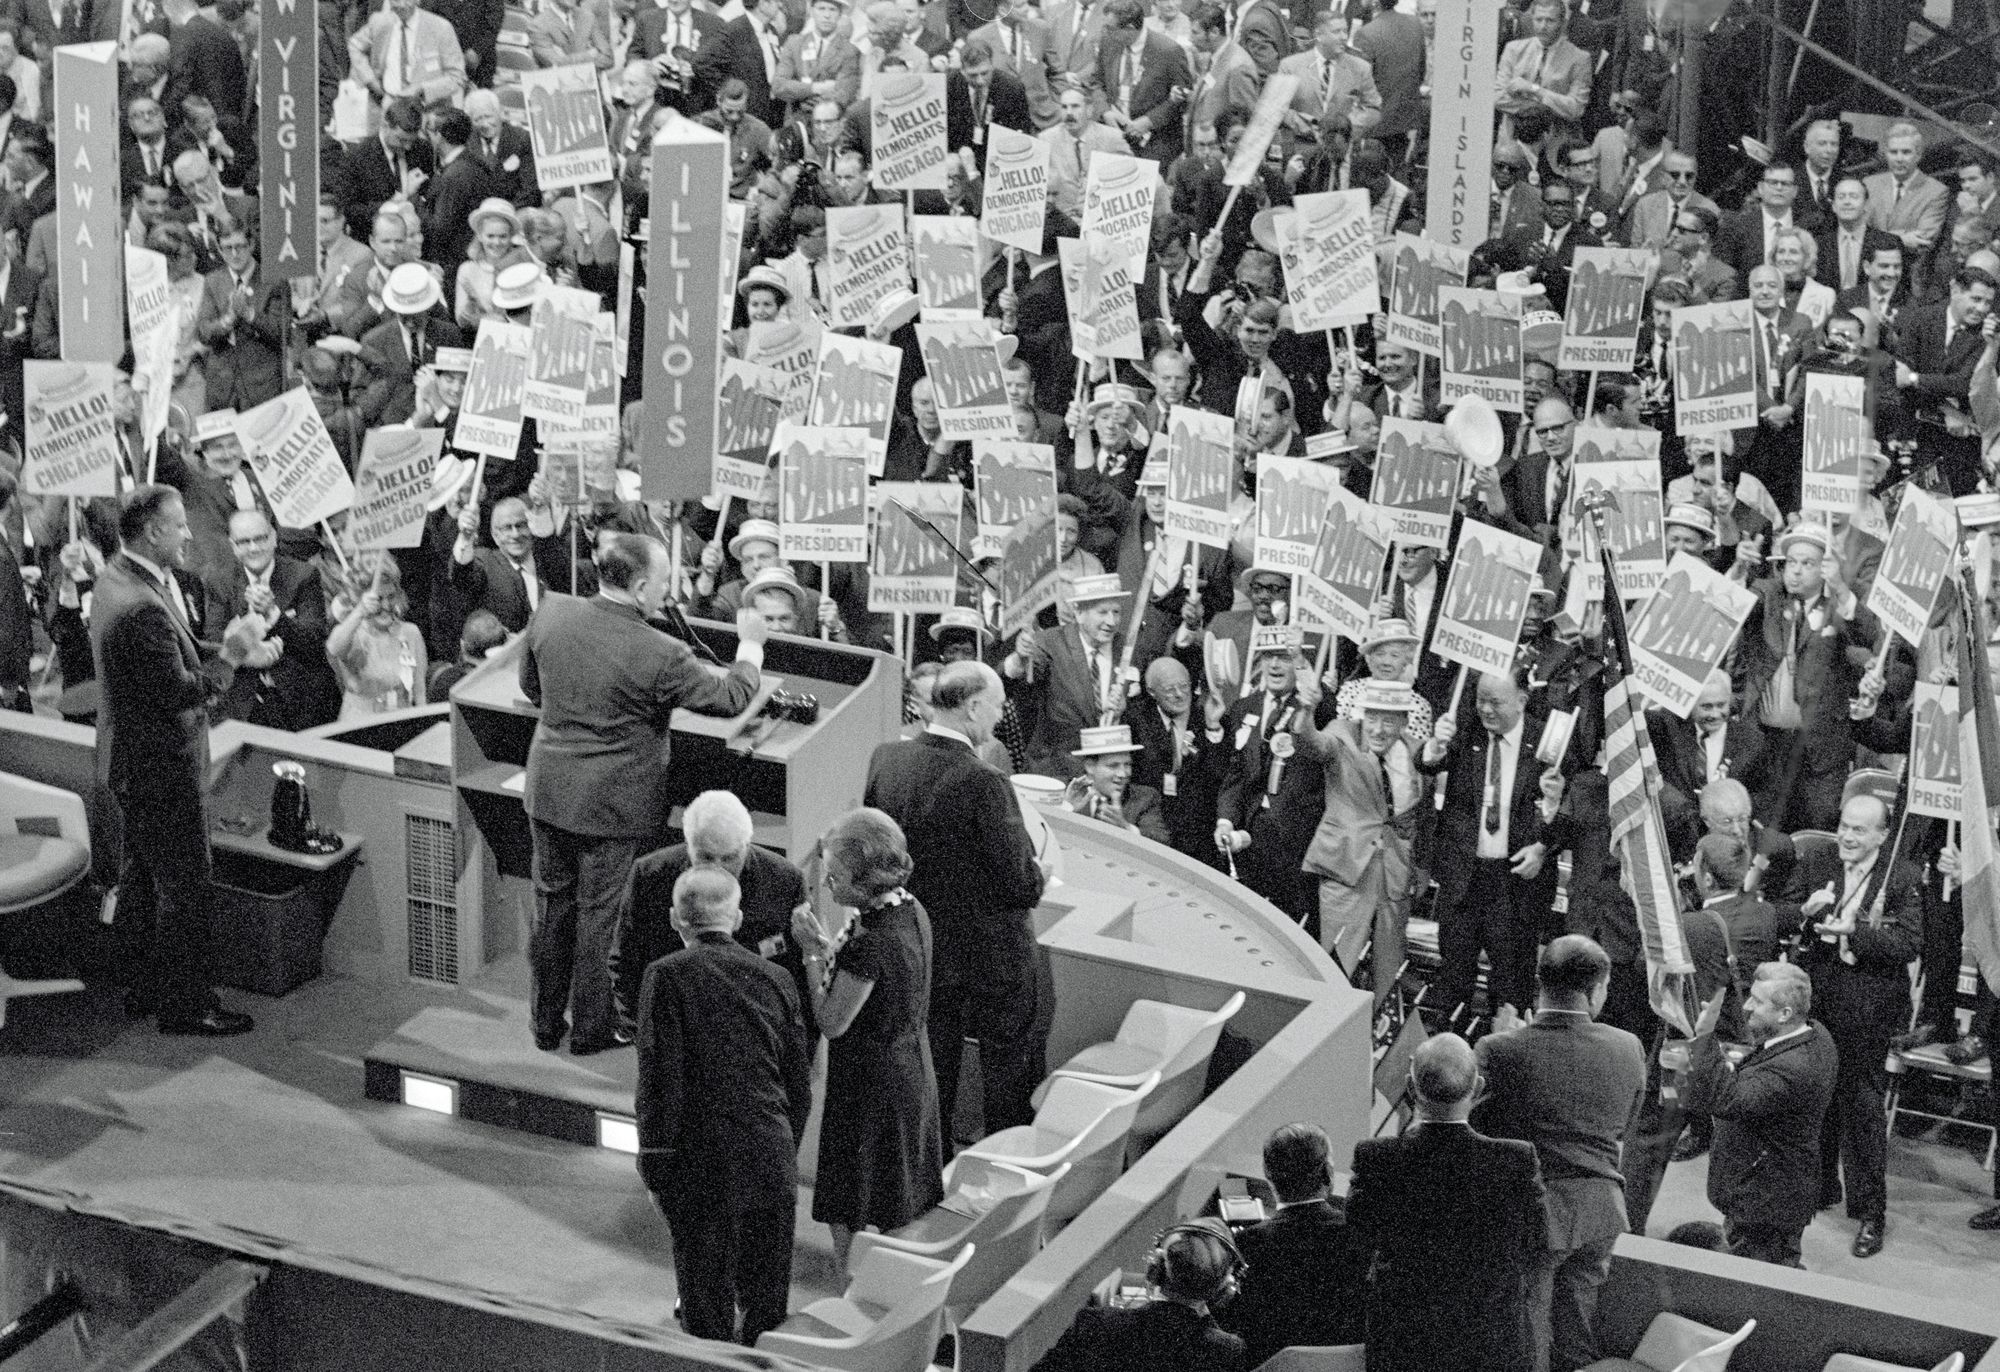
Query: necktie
point(1493, 784)
point(240, 492)
point(1078, 141)
point(170, 588)
point(402, 82)
point(1771, 357)
point(530, 587)
point(1850, 253)
point(1388, 791)
point(1325, 78)
point(1897, 198)
point(1014, 43)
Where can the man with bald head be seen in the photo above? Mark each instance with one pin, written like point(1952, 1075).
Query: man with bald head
point(1725, 808)
point(978, 876)
point(1173, 758)
point(286, 682)
point(1453, 1221)
point(1536, 485)
point(1707, 746)
point(1862, 925)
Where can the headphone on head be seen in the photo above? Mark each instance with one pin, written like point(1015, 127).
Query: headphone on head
point(1163, 1272)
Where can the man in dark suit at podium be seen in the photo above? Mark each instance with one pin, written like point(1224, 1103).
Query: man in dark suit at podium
point(607, 685)
point(158, 685)
point(977, 874)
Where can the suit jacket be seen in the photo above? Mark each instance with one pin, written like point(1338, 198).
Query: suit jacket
point(649, 29)
point(490, 582)
point(1683, 761)
point(1006, 105)
point(1264, 31)
point(974, 865)
point(1352, 89)
point(1556, 263)
point(242, 365)
point(1035, 64)
point(1751, 928)
point(742, 56)
point(1714, 280)
point(1306, 1282)
point(1457, 844)
point(299, 690)
point(1764, 1160)
point(1826, 270)
point(1157, 1335)
point(1073, 44)
point(371, 179)
point(1231, 81)
point(1521, 214)
point(1739, 241)
point(1916, 218)
point(1359, 825)
point(559, 38)
point(437, 67)
point(82, 22)
point(1189, 811)
point(1066, 694)
point(203, 59)
point(1651, 218)
point(607, 686)
point(1562, 70)
point(1867, 999)
point(1395, 45)
point(834, 59)
point(724, 1082)
point(342, 285)
point(22, 214)
point(771, 889)
point(17, 626)
point(1943, 374)
point(446, 202)
point(157, 685)
point(1571, 1087)
point(1452, 1221)
point(392, 396)
point(1157, 90)
point(1782, 379)
point(1824, 681)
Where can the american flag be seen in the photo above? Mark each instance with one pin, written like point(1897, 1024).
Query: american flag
point(1979, 772)
point(1637, 834)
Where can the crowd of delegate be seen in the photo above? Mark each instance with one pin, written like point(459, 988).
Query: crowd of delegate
point(1366, 787)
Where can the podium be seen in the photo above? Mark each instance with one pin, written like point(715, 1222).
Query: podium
point(795, 778)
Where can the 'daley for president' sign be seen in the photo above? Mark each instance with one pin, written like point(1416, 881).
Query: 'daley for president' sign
point(1713, 384)
point(1201, 454)
point(1486, 598)
point(963, 363)
point(822, 494)
point(1607, 298)
point(907, 124)
point(945, 249)
point(1416, 482)
point(489, 418)
point(1682, 632)
point(1922, 547)
point(1013, 481)
point(1014, 201)
point(1419, 268)
point(1482, 346)
point(1837, 433)
point(854, 387)
point(1344, 577)
point(1936, 784)
point(751, 399)
point(566, 125)
point(1292, 498)
point(913, 570)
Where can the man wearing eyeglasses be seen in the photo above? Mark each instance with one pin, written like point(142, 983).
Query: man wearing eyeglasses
point(1552, 250)
point(1536, 486)
point(286, 681)
point(1689, 255)
point(1747, 238)
point(1651, 220)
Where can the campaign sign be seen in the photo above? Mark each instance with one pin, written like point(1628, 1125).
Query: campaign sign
point(1110, 307)
point(1327, 246)
point(791, 348)
point(1292, 497)
point(587, 476)
point(913, 569)
point(489, 419)
point(1273, 104)
point(72, 428)
point(153, 313)
point(1922, 547)
point(1607, 299)
point(1344, 579)
point(1935, 781)
point(854, 387)
point(1684, 629)
point(963, 363)
point(1486, 598)
point(1713, 384)
point(561, 333)
point(392, 487)
point(566, 123)
point(1028, 580)
point(1201, 454)
point(1014, 205)
point(1012, 480)
point(1482, 346)
point(1625, 463)
point(822, 494)
point(907, 127)
point(866, 259)
point(751, 400)
point(293, 458)
point(947, 256)
point(1070, 259)
point(1421, 267)
point(1118, 198)
point(1837, 433)
point(1416, 482)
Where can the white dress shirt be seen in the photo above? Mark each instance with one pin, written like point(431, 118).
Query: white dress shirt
point(1494, 845)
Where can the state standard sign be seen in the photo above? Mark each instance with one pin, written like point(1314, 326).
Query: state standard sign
point(683, 309)
point(90, 281)
point(1458, 198)
point(288, 139)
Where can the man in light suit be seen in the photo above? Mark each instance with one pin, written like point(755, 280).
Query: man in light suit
point(1071, 143)
point(1450, 1222)
point(341, 260)
point(1395, 45)
point(1023, 46)
point(1517, 205)
point(404, 50)
point(1333, 78)
point(1074, 26)
point(1144, 78)
point(1904, 200)
point(1571, 1087)
point(818, 63)
point(977, 875)
point(1074, 675)
point(1779, 339)
point(1231, 80)
point(158, 684)
point(565, 33)
point(606, 684)
point(1545, 70)
point(1651, 222)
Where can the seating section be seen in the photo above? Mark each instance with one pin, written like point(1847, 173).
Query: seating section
point(1155, 1037)
point(1675, 1343)
point(1848, 1362)
point(1082, 1123)
point(994, 1206)
point(889, 1319)
point(44, 853)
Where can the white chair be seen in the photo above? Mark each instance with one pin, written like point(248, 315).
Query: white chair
point(1172, 1040)
point(44, 853)
point(1007, 1233)
point(1848, 1362)
point(1345, 1357)
point(1083, 1123)
point(888, 1320)
point(1675, 1343)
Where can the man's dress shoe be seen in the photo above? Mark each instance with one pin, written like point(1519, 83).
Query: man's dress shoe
point(1868, 1239)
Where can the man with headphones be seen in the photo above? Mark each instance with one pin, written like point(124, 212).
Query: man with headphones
point(1195, 1267)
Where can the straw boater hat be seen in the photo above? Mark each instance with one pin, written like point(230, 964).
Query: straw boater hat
point(452, 360)
point(1086, 589)
point(893, 311)
point(493, 207)
point(213, 425)
point(753, 531)
point(777, 579)
point(1154, 473)
point(958, 620)
point(1385, 631)
point(411, 289)
point(517, 287)
point(339, 345)
point(767, 277)
point(1805, 531)
point(1112, 738)
point(1379, 694)
point(1696, 517)
point(1112, 393)
point(451, 472)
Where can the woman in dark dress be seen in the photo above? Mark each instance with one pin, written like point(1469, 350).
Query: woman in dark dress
point(879, 1156)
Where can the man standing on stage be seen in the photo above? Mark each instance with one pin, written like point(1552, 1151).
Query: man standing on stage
point(597, 770)
point(158, 684)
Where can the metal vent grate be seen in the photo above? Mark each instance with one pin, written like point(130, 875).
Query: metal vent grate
point(432, 888)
